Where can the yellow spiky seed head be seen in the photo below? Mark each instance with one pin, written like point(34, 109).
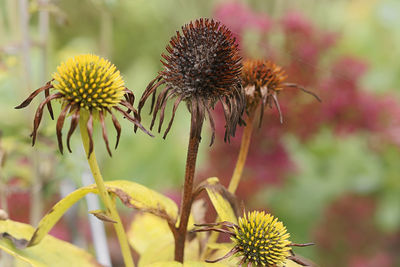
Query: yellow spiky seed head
point(262, 239)
point(89, 81)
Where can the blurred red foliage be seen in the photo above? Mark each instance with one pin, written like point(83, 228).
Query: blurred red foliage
point(347, 235)
point(346, 107)
point(353, 239)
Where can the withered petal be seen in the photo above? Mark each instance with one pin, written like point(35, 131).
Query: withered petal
point(89, 127)
point(33, 95)
point(117, 127)
point(39, 114)
point(73, 125)
point(104, 131)
point(59, 126)
point(176, 104)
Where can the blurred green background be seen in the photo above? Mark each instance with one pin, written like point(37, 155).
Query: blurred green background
point(133, 34)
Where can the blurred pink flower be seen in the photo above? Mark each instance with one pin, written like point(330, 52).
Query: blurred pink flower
point(238, 17)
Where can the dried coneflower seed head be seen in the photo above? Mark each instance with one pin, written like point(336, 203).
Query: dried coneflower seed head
point(88, 84)
point(262, 239)
point(262, 80)
point(89, 81)
point(202, 66)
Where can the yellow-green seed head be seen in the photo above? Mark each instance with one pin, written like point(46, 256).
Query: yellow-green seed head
point(262, 239)
point(89, 81)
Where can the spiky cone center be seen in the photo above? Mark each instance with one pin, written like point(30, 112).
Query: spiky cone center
point(260, 76)
point(202, 61)
point(90, 82)
point(262, 240)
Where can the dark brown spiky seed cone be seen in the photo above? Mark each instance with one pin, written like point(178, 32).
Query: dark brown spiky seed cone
point(202, 66)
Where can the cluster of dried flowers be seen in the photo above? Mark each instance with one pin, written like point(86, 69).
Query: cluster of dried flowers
point(203, 66)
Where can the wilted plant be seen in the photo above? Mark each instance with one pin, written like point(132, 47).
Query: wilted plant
point(89, 86)
point(202, 68)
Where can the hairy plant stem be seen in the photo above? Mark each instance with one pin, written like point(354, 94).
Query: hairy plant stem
point(180, 235)
point(111, 209)
point(244, 150)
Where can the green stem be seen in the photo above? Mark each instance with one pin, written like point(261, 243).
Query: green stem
point(244, 150)
point(111, 209)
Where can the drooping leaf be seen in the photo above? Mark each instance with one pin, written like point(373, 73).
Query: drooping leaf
point(131, 194)
point(50, 252)
point(221, 199)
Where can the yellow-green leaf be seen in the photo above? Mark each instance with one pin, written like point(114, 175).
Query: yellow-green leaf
point(131, 194)
point(165, 264)
point(202, 264)
point(186, 264)
point(219, 197)
point(147, 230)
point(50, 252)
point(152, 239)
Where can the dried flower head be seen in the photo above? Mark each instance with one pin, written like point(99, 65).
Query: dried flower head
point(89, 84)
point(202, 67)
point(262, 81)
point(259, 239)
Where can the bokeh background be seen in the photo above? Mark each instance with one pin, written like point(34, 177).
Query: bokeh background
point(330, 172)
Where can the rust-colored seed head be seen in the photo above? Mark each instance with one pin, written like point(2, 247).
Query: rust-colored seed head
point(262, 80)
point(202, 66)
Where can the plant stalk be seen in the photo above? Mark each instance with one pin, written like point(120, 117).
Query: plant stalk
point(244, 150)
point(110, 207)
point(180, 235)
point(237, 173)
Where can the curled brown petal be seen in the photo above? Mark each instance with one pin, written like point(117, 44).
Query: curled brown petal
point(89, 127)
point(298, 261)
point(130, 98)
point(293, 85)
point(34, 94)
point(176, 104)
point(162, 110)
point(301, 245)
point(117, 127)
point(278, 107)
point(151, 88)
point(224, 223)
point(208, 229)
point(74, 123)
point(160, 102)
point(49, 107)
point(227, 113)
point(59, 126)
point(233, 251)
point(130, 108)
point(39, 114)
point(133, 119)
point(103, 127)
